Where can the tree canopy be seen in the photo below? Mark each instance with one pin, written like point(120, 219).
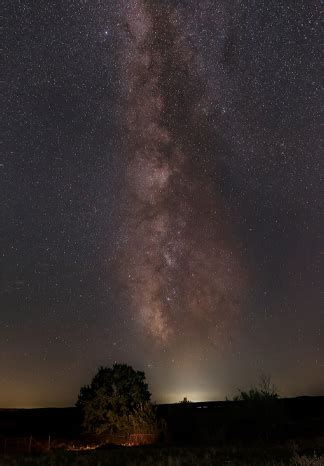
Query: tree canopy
point(115, 400)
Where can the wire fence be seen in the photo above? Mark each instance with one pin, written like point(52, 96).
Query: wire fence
point(35, 444)
point(28, 444)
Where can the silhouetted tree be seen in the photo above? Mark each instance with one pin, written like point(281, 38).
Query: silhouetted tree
point(117, 399)
point(185, 400)
point(261, 413)
point(263, 392)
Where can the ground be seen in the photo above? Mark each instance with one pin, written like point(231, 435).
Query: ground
point(169, 456)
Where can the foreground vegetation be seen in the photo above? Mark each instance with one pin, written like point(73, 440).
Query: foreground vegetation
point(257, 428)
point(168, 456)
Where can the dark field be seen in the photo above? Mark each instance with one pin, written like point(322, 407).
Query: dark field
point(285, 432)
point(167, 456)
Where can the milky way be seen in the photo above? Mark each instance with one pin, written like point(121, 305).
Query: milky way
point(179, 263)
point(162, 196)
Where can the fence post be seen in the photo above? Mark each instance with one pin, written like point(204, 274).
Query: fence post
point(49, 443)
point(30, 444)
point(5, 446)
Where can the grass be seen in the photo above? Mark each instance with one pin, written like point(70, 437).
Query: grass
point(166, 456)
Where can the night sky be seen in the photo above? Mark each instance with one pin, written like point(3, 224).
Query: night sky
point(162, 197)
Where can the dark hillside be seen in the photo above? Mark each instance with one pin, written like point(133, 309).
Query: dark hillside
point(223, 422)
point(41, 421)
point(218, 422)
